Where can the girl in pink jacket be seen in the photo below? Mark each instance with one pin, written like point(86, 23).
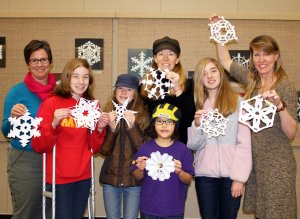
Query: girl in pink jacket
point(223, 163)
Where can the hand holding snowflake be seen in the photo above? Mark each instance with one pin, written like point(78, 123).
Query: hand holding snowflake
point(257, 113)
point(120, 110)
point(222, 31)
point(160, 166)
point(213, 123)
point(156, 84)
point(24, 127)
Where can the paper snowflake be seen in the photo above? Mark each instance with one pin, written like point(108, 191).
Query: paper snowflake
point(86, 113)
point(90, 52)
point(222, 31)
point(242, 60)
point(257, 113)
point(120, 109)
point(213, 123)
point(24, 127)
point(156, 83)
point(160, 166)
point(142, 63)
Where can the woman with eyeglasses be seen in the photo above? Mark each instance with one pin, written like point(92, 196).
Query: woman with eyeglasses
point(164, 190)
point(24, 166)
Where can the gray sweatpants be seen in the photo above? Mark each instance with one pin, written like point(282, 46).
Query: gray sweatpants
point(25, 176)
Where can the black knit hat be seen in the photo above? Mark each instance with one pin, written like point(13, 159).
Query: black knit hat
point(166, 43)
point(127, 80)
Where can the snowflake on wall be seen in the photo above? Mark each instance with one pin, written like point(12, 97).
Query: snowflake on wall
point(24, 127)
point(86, 113)
point(1, 52)
point(156, 84)
point(160, 166)
point(242, 60)
point(141, 64)
point(90, 52)
point(120, 109)
point(257, 113)
point(222, 31)
point(213, 123)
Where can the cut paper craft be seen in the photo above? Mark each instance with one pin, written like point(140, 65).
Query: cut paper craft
point(257, 113)
point(86, 113)
point(156, 83)
point(160, 166)
point(120, 109)
point(222, 31)
point(213, 123)
point(24, 127)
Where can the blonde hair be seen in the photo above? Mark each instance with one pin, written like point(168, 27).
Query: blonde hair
point(269, 45)
point(226, 99)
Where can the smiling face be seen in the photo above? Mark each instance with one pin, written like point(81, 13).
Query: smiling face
point(38, 70)
point(166, 59)
point(124, 93)
point(79, 82)
point(211, 79)
point(164, 128)
point(264, 62)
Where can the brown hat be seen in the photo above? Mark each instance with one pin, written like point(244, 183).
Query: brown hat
point(166, 43)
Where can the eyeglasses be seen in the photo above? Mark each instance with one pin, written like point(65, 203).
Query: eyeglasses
point(161, 122)
point(43, 61)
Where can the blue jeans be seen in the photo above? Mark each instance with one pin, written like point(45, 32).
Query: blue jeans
point(214, 198)
point(145, 216)
point(71, 199)
point(113, 197)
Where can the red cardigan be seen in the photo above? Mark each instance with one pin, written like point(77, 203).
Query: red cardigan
point(73, 145)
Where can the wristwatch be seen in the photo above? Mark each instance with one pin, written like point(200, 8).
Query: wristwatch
point(283, 106)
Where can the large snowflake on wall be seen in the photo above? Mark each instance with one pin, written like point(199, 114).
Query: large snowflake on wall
point(24, 127)
point(120, 109)
point(257, 113)
point(1, 52)
point(240, 59)
point(86, 113)
point(213, 123)
point(141, 64)
point(90, 52)
point(156, 83)
point(160, 166)
point(222, 31)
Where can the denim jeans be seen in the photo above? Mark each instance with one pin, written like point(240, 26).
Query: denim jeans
point(214, 198)
point(71, 199)
point(145, 216)
point(113, 197)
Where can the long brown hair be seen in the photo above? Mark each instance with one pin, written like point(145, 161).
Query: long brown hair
point(269, 45)
point(63, 89)
point(137, 104)
point(226, 99)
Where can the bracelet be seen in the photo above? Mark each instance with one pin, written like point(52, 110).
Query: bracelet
point(283, 106)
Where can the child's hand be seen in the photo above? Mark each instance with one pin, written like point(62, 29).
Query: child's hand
point(18, 109)
point(237, 188)
point(130, 118)
point(102, 121)
point(198, 115)
point(141, 162)
point(178, 167)
point(112, 120)
point(60, 114)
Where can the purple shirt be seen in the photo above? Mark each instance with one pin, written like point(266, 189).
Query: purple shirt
point(165, 198)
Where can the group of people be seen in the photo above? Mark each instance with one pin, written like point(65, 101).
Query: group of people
point(259, 165)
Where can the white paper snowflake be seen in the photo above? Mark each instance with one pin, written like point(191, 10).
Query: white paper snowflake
point(213, 123)
point(90, 52)
point(86, 113)
point(156, 84)
point(120, 109)
point(1, 52)
point(222, 31)
point(241, 60)
point(142, 63)
point(257, 113)
point(24, 127)
point(160, 166)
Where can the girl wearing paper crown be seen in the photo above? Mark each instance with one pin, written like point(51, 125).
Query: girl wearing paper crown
point(164, 166)
point(124, 137)
point(73, 143)
point(223, 161)
point(166, 57)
